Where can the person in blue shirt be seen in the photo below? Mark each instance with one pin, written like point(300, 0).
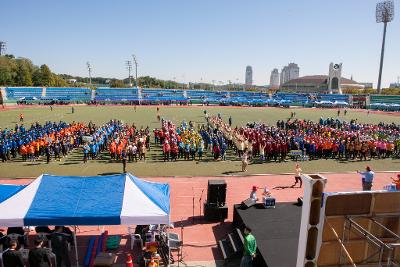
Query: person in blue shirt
point(3, 152)
point(223, 151)
point(85, 152)
point(193, 150)
point(91, 150)
point(181, 149)
point(187, 151)
point(367, 178)
point(342, 149)
point(200, 150)
point(94, 150)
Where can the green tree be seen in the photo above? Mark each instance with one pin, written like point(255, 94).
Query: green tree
point(59, 81)
point(391, 91)
point(37, 78)
point(115, 83)
point(8, 69)
point(23, 73)
point(47, 76)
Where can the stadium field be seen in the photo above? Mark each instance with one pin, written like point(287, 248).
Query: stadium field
point(154, 166)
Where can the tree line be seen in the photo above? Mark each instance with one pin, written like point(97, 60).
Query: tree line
point(22, 72)
point(371, 91)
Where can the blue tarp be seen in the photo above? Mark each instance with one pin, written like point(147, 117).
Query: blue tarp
point(8, 190)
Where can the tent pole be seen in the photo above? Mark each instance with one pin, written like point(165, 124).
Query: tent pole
point(169, 249)
point(76, 247)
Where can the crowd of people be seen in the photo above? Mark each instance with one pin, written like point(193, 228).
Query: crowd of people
point(129, 143)
point(50, 139)
point(328, 138)
point(61, 238)
point(182, 142)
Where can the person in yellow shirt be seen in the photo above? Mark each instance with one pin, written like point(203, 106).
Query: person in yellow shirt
point(152, 263)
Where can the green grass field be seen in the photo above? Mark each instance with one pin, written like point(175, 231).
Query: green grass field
point(146, 116)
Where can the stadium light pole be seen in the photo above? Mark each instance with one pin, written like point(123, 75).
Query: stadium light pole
point(385, 14)
point(2, 47)
point(89, 67)
point(136, 64)
point(128, 64)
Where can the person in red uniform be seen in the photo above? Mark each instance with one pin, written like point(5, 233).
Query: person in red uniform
point(166, 150)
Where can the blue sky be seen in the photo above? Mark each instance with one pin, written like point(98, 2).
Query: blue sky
point(202, 40)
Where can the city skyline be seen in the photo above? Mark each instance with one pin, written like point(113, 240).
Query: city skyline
point(197, 42)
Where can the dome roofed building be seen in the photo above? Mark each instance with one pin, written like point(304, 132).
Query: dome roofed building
point(317, 84)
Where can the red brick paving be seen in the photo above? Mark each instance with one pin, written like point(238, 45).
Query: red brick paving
point(200, 238)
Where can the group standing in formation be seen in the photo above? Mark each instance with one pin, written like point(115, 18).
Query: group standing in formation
point(326, 139)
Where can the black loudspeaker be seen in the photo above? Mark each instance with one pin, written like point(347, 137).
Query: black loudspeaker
point(215, 213)
point(248, 203)
point(216, 192)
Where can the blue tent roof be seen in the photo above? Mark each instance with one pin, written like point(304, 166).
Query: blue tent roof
point(97, 200)
point(8, 190)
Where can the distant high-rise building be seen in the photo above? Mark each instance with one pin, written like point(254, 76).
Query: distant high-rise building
point(289, 72)
point(274, 79)
point(249, 77)
point(394, 85)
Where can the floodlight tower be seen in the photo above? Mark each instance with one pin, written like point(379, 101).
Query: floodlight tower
point(136, 64)
point(128, 64)
point(89, 67)
point(2, 47)
point(385, 14)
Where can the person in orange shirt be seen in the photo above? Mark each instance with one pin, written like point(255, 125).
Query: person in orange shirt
point(31, 152)
point(21, 117)
point(41, 146)
point(389, 149)
point(23, 151)
point(37, 149)
point(112, 150)
point(119, 151)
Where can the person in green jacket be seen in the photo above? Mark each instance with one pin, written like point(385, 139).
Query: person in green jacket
point(249, 248)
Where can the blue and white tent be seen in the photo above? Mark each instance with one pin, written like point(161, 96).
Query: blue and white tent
point(99, 200)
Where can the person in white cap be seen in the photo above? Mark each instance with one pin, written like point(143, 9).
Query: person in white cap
point(253, 194)
point(266, 194)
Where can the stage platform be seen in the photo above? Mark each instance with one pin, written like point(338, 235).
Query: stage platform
point(276, 232)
